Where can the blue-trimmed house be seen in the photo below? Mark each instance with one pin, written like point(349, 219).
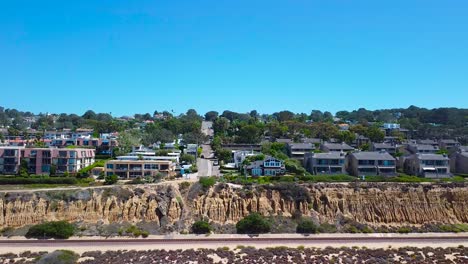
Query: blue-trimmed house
point(268, 167)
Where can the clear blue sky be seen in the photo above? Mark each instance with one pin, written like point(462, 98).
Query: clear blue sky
point(130, 57)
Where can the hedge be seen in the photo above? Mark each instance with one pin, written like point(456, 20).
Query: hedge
point(33, 180)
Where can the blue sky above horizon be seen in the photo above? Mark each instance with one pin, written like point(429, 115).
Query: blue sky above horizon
point(129, 57)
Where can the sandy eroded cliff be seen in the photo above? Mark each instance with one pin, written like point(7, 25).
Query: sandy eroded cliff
point(170, 204)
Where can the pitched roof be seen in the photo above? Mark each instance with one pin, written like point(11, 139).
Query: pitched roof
point(383, 145)
point(427, 141)
point(301, 146)
point(338, 146)
point(450, 141)
point(431, 156)
point(424, 147)
point(372, 155)
point(255, 164)
point(329, 155)
point(311, 140)
point(283, 140)
point(463, 148)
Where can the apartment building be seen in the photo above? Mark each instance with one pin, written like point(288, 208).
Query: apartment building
point(428, 165)
point(422, 148)
point(448, 143)
point(390, 148)
point(325, 163)
point(336, 147)
point(40, 160)
point(298, 150)
point(459, 160)
point(129, 168)
point(371, 163)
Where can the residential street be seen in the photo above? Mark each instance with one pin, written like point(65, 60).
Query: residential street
point(205, 165)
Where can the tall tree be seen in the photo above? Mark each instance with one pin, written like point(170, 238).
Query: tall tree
point(90, 114)
point(211, 115)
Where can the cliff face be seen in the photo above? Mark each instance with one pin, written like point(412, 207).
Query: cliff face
point(162, 205)
point(169, 206)
point(374, 205)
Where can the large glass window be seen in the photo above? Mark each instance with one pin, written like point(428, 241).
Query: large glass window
point(10, 152)
point(366, 162)
point(121, 166)
point(386, 162)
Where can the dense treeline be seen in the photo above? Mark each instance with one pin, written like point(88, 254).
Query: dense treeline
point(144, 129)
point(231, 127)
point(250, 127)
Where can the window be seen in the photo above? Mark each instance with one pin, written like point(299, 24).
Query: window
point(121, 166)
point(45, 168)
point(367, 170)
point(441, 170)
point(366, 162)
point(151, 166)
point(386, 162)
point(10, 152)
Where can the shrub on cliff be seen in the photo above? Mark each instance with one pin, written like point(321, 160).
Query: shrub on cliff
point(201, 227)
point(58, 230)
point(207, 182)
point(59, 257)
point(111, 179)
point(306, 226)
point(253, 224)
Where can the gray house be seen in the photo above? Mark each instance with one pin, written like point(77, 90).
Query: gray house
point(419, 148)
point(361, 140)
point(428, 142)
point(284, 140)
point(390, 148)
point(459, 160)
point(338, 147)
point(325, 163)
point(448, 143)
point(298, 150)
point(428, 165)
point(315, 141)
point(371, 163)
